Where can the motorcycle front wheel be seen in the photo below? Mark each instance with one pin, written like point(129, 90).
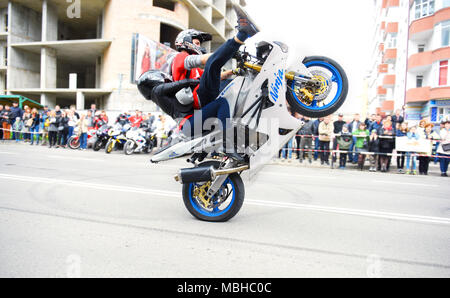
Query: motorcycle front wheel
point(322, 101)
point(129, 148)
point(223, 206)
point(74, 142)
point(110, 146)
point(150, 147)
point(98, 145)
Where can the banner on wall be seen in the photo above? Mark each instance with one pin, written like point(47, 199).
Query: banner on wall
point(404, 144)
point(148, 55)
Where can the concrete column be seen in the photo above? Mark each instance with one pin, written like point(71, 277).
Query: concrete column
point(48, 100)
point(48, 68)
point(73, 78)
point(49, 22)
point(80, 100)
point(98, 72)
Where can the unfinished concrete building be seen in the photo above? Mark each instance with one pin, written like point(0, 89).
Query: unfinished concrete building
point(77, 52)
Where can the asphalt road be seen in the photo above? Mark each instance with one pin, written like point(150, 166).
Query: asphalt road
point(69, 213)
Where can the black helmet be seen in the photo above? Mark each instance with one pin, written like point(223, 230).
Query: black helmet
point(184, 41)
point(150, 80)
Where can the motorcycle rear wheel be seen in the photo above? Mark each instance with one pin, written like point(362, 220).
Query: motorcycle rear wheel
point(334, 80)
point(235, 198)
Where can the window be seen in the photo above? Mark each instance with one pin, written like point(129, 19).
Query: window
point(419, 81)
point(445, 33)
point(166, 4)
point(446, 3)
point(392, 41)
point(424, 8)
point(421, 48)
point(443, 73)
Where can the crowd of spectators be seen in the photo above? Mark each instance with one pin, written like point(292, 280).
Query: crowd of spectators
point(343, 142)
point(54, 128)
point(372, 140)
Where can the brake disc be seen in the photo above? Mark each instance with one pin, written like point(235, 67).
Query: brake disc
point(322, 92)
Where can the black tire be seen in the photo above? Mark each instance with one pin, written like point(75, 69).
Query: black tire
point(74, 142)
point(98, 145)
point(150, 147)
point(110, 147)
point(239, 195)
point(129, 148)
point(297, 107)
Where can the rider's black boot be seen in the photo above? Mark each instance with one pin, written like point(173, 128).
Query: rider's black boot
point(229, 146)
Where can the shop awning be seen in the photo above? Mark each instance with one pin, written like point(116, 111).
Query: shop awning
point(22, 100)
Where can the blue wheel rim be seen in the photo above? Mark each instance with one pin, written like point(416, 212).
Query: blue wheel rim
point(336, 78)
point(216, 212)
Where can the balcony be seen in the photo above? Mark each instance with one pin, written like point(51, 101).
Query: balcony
point(389, 81)
point(387, 106)
point(392, 28)
point(392, 3)
point(425, 94)
point(381, 91)
point(422, 29)
point(382, 68)
point(423, 61)
point(420, 62)
point(390, 56)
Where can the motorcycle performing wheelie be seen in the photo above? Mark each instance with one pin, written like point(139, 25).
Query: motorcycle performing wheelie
point(259, 125)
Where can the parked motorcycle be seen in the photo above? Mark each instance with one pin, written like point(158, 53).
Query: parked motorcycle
point(140, 141)
point(102, 137)
point(314, 86)
point(117, 137)
point(74, 141)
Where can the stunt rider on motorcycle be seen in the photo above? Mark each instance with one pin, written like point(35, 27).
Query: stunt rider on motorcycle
point(186, 95)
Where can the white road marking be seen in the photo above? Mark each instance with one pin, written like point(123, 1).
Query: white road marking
point(10, 153)
point(75, 158)
point(297, 176)
point(326, 209)
point(405, 183)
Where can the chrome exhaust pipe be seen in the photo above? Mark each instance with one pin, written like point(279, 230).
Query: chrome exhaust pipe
point(205, 174)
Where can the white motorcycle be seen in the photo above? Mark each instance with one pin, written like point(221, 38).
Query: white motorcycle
point(258, 98)
point(139, 141)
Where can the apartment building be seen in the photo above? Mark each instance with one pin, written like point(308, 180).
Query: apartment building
point(60, 52)
point(387, 75)
point(428, 83)
point(411, 51)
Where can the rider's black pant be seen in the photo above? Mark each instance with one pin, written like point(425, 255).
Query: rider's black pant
point(210, 83)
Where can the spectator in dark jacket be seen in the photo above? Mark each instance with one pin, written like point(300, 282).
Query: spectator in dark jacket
point(15, 112)
point(401, 132)
point(35, 126)
point(316, 137)
point(52, 129)
point(387, 144)
point(307, 132)
point(1, 122)
point(344, 139)
point(353, 126)
point(63, 130)
point(377, 124)
point(338, 124)
point(397, 119)
point(6, 122)
point(374, 147)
